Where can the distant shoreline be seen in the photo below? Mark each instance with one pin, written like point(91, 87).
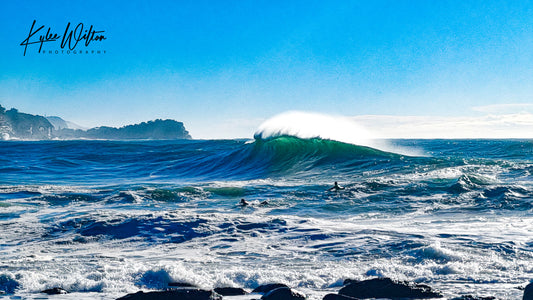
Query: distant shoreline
point(15, 125)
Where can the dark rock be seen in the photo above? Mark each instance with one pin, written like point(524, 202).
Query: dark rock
point(348, 281)
point(470, 297)
point(387, 288)
point(182, 285)
point(337, 297)
point(265, 288)
point(54, 291)
point(528, 292)
point(182, 294)
point(230, 291)
point(282, 293)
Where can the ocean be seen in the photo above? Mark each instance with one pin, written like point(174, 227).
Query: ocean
point(101, 219)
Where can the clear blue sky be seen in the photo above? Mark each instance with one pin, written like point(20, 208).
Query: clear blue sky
point(222, 67)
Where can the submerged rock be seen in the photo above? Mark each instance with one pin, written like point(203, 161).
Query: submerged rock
point(470, 297)
point(54, 291)
point(283, 293)
point(182, 294)
point(348, 281)
point(8, 285)
point(181, 285)
point(528, 292)
point(387, 288)
point(337, 297)
point(265, 288)
point(230, 291)
point(155, 280)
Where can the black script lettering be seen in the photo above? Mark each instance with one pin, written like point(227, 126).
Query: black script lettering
point(48, 37)
point(74, 36)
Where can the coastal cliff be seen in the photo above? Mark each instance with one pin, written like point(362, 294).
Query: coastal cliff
point(17, 125)
point(153, 130)
point(14, 124)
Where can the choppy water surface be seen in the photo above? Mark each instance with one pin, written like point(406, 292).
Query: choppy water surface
point(101, 218)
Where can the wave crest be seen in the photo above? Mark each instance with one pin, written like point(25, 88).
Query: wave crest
point(307, 125)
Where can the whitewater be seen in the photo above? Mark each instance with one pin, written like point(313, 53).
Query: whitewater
point(101, 219)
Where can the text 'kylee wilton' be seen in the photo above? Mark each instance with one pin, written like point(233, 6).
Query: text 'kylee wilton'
point(69, 39)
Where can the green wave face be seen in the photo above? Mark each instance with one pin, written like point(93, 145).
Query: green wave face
point(287, 154)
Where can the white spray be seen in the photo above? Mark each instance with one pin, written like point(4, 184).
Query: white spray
point(306, 125)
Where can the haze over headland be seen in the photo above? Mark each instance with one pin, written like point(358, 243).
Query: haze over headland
point(22, 126)
point(428, 69)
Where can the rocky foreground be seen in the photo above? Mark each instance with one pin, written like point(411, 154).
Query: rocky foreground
point(378, 288)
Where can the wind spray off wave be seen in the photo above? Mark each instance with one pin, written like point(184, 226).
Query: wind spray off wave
point(307, 125)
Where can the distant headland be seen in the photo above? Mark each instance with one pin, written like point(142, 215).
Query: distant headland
point(21, 126)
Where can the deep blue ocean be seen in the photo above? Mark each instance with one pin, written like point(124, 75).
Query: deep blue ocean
point(104, 218)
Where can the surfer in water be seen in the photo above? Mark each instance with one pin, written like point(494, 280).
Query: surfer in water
point(246, 203)
point(336, 187)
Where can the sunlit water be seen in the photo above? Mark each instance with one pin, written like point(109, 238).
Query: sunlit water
point(101, 219)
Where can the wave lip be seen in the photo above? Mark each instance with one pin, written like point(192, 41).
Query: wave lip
point(305, 125)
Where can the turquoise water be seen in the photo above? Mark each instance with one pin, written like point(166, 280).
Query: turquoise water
point(104, 218)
